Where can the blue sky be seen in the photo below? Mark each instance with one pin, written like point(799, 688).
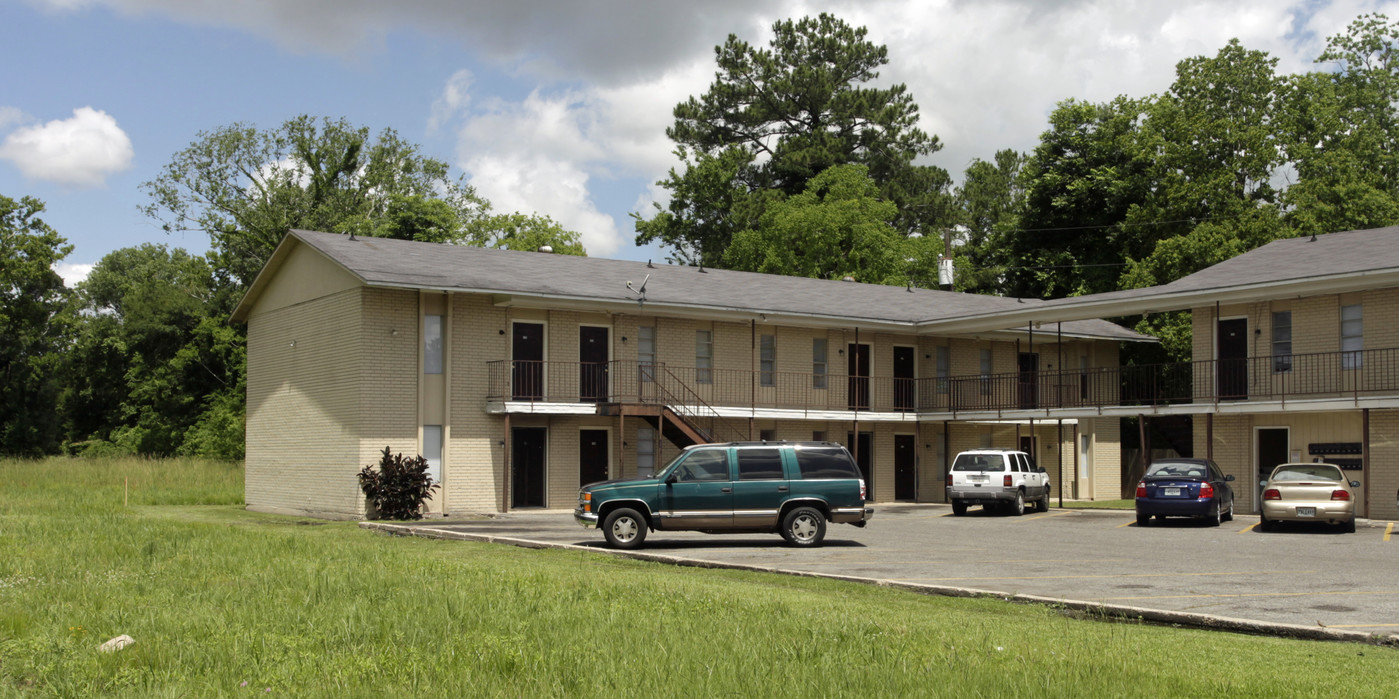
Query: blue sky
point(546, 106)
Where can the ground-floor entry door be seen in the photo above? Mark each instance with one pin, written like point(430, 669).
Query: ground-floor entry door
point(527, 466)
point(905, 467)
point(863, 458)
point(1272, 450)
point(592, 456)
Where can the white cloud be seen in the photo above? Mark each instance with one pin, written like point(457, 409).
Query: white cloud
point(553, 187)
point(80, 151)
point(72, 273)
point(456, 95)
point(10, 116)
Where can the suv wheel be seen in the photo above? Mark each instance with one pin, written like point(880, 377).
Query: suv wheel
point(1043, 503)
point(624, 528)
point(959, 508)
point(1016, 507)
point(804, 526)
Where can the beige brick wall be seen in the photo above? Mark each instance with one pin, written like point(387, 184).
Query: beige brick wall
point(305, 367)
point(1382, 480)
point(473, 459)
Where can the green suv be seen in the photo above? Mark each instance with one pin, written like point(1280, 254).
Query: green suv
point(741, 487)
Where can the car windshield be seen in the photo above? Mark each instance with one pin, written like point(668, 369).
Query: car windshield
point(979, 462)
point(1177, 469)
point(1307, 472)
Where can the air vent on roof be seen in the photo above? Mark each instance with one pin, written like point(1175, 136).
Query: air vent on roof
point(546, 248)
point(847, 279)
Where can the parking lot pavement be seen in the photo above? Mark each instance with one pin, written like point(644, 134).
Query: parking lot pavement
point(1304, 574)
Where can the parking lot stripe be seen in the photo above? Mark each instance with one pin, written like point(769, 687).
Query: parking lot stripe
point(1259, 594)
point(1361, 626)
point(1051, 514)
point(1249, 528)
point(1124, 524)
point(1116, 575)
point(1388, 530)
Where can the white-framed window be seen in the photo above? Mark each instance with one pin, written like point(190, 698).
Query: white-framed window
point(767, 435)
point(986, 372)
point(818, 435)
point(818, 362)
point(1352, 337)
point(432, 451)
point(1282, 341)
point(767, 360)
point(646, 350)
point(432, 344)
point(704, 356)
point(944, 368)
point(645, 451)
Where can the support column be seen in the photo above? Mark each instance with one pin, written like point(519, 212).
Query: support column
point(1061, 461)
point(505, 454)
point(1365, 458)
point(1144, 441)
point(1209, 436)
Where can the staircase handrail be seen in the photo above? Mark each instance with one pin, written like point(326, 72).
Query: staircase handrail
point(686, 409)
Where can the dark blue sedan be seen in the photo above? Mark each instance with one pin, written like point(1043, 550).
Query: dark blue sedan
point(1185, 488)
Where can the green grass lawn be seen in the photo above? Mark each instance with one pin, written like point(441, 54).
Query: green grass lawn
point(224, 602)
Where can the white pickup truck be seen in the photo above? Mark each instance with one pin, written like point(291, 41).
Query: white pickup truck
point(996, 477)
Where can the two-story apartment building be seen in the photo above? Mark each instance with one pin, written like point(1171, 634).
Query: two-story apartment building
point(1295, 358)
point(521, 375)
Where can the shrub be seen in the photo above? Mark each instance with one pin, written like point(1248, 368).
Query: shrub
point(398, 488)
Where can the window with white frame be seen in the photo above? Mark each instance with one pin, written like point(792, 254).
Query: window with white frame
point(767, 435)
point(818, 435)
point(986, 372)
point(767, 360)
point(645, 451)
point(646, 351)
point(818, 362)
point(1282, 341)
point(704, 356)
point(432, 344)
point(944, 368)
point(1352, 337)
point(432, 451)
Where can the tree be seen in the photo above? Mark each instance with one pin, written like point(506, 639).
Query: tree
point(33, 327)
point(150, 362)
point(992, 202)
point(246, 188)
point(775, 118)
point(524, 232)
point(837, 227)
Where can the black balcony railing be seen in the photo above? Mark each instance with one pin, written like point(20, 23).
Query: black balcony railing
point(1270, 378)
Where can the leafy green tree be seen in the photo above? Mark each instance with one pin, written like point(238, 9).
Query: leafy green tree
point(33, 327)
point(1088, 171)
point(992, 201)
point(775, 118)
point(837, 227)
point(151, 361)
point(247, 187)
point(1340, 129)
point(524, 232)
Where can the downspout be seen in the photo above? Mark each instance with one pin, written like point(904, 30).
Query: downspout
point(506, 456)
point(1365, 456)
point(753, 364)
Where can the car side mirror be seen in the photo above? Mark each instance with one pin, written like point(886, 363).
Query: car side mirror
point(1229, 477)
point(1355, 484)
point(671, 478)
point(1262, 483)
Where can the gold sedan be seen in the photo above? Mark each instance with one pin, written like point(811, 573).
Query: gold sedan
point(1313, 492)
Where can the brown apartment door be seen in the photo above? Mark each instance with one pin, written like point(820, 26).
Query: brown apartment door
point(1029, 379)
point(905, 466)
point(592, 367)
point(859, 370)
point(527, 466)
point(592, 456)
point(527, 361)
point(903, 378)
point(1232, 369)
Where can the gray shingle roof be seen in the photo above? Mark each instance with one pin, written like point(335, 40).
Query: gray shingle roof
point(399, 263)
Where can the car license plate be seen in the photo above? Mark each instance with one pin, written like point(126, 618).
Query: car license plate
point(1306, 512)
point(979, 478)
point(1170, 492)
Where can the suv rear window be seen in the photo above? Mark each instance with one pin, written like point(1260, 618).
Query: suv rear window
point(759, 464)
point(979, 462)
point(825, 463)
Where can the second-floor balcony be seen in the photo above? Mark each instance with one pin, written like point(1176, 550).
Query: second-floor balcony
point(1274, 379)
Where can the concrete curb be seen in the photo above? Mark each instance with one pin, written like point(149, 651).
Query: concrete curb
point(1088, 609)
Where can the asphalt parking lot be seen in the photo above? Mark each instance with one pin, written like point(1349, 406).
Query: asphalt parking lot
point(1308, 575)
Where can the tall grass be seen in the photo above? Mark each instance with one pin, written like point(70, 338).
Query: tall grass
point(223, 602)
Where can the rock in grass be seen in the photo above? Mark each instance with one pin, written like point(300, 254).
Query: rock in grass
point(116, 644)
